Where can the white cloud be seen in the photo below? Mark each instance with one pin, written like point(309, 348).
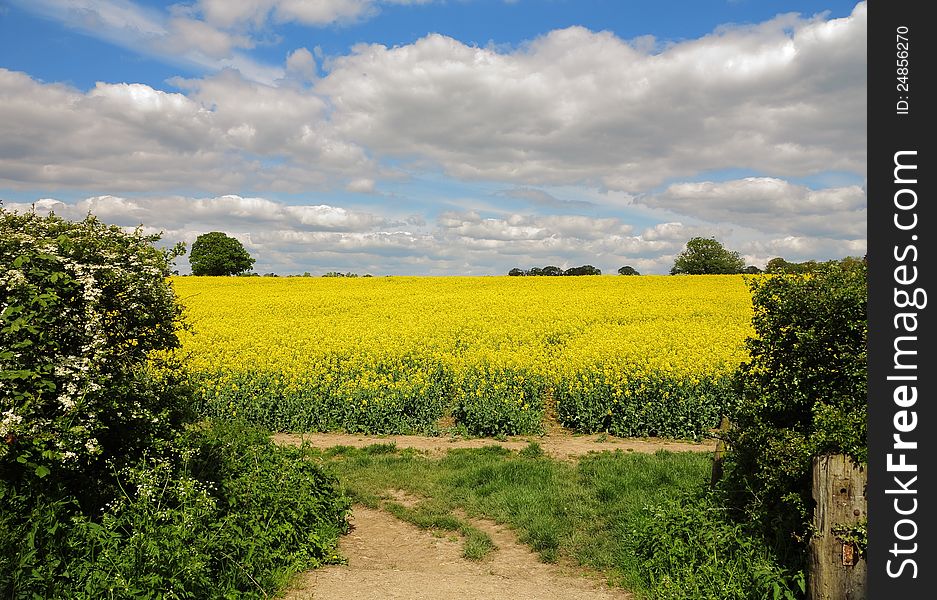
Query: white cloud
point(573, 107)
point(800, 248)
point(786, 97)
point(234, 13)
point(227, 134)
point(322, 237)
point(573, 120)
point(770, 205)
point(301, 65)
point(177, 37)
point(192, 35)
point(541, 198)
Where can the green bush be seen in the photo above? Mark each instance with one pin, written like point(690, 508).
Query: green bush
point(83, 307)
point(690, 548)
point(803, 393)
point(224, 513)
point(103, 493)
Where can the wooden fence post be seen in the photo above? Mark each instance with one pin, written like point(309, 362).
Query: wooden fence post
point(719, 454)
point(837, 570)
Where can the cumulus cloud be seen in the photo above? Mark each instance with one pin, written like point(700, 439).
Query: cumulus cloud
point(573, 107)
point(521, 227)
point(178, 36)
point(801, 248)
point(770, 205)
point(234, 13)
point(786, 97)
point(601, 119)
point(301, 64)
point(227, 133)
point(541, 198)
point(289, 238)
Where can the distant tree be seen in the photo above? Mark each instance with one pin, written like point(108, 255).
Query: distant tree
point(706, 256)
point(535, 271)
point(751, 270)
point(627, 270)
point(515, 272)
point(334, 274)
point(583, 270)
point(367, 275)
point(779, 265)
point(551, 271)
point(218, 254)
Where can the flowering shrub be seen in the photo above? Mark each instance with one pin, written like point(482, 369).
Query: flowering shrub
point(104, 491)
point(83, 306)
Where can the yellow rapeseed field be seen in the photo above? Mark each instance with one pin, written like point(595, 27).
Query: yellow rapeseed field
point(623, 354)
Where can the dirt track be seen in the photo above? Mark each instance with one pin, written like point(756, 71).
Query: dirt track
point(560, 446)
point(389, 559)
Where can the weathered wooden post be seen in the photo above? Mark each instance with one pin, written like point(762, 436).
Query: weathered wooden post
point(719, 454)
point(837, 569)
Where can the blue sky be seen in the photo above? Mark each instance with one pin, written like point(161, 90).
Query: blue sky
point(444, 136)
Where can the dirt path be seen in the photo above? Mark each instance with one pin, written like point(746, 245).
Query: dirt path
point(389, 559)
point(560, 446)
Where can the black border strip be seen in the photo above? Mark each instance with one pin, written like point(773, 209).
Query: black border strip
point(900, 248)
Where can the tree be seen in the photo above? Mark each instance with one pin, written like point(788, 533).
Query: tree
point(583, 270)
point(706, 256)
point(551, 271)
point(751, 270)
point(628, 270)
point(218, 254)
point(516, 272)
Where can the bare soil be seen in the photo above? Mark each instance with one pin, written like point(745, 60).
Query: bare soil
point(389, 559)
point(561, 446)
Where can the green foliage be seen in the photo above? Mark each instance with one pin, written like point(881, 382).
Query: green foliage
point(628, 270)
point(706, 256)
point(656, 405)
point(223, 513)
point(84, 307)
point(582, 510)
point(583, 270)
point(102, 495)
point(491, 400)
point(689, 548)
point(780, 266)
point(393, 405)
point(553, 271)
point(803, 393)
point(216, 253)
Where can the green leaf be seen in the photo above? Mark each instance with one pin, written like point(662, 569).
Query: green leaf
point(42, 471)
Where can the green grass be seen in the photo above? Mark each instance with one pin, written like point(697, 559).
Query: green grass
point(584, 511)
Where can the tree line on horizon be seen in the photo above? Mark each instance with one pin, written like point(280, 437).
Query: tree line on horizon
point(217, 254)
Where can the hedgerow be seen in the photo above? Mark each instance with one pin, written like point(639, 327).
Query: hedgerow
point(106, 490)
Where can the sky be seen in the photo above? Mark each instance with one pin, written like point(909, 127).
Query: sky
point(444, 137)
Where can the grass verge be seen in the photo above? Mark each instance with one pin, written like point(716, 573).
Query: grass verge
point(585, 511)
